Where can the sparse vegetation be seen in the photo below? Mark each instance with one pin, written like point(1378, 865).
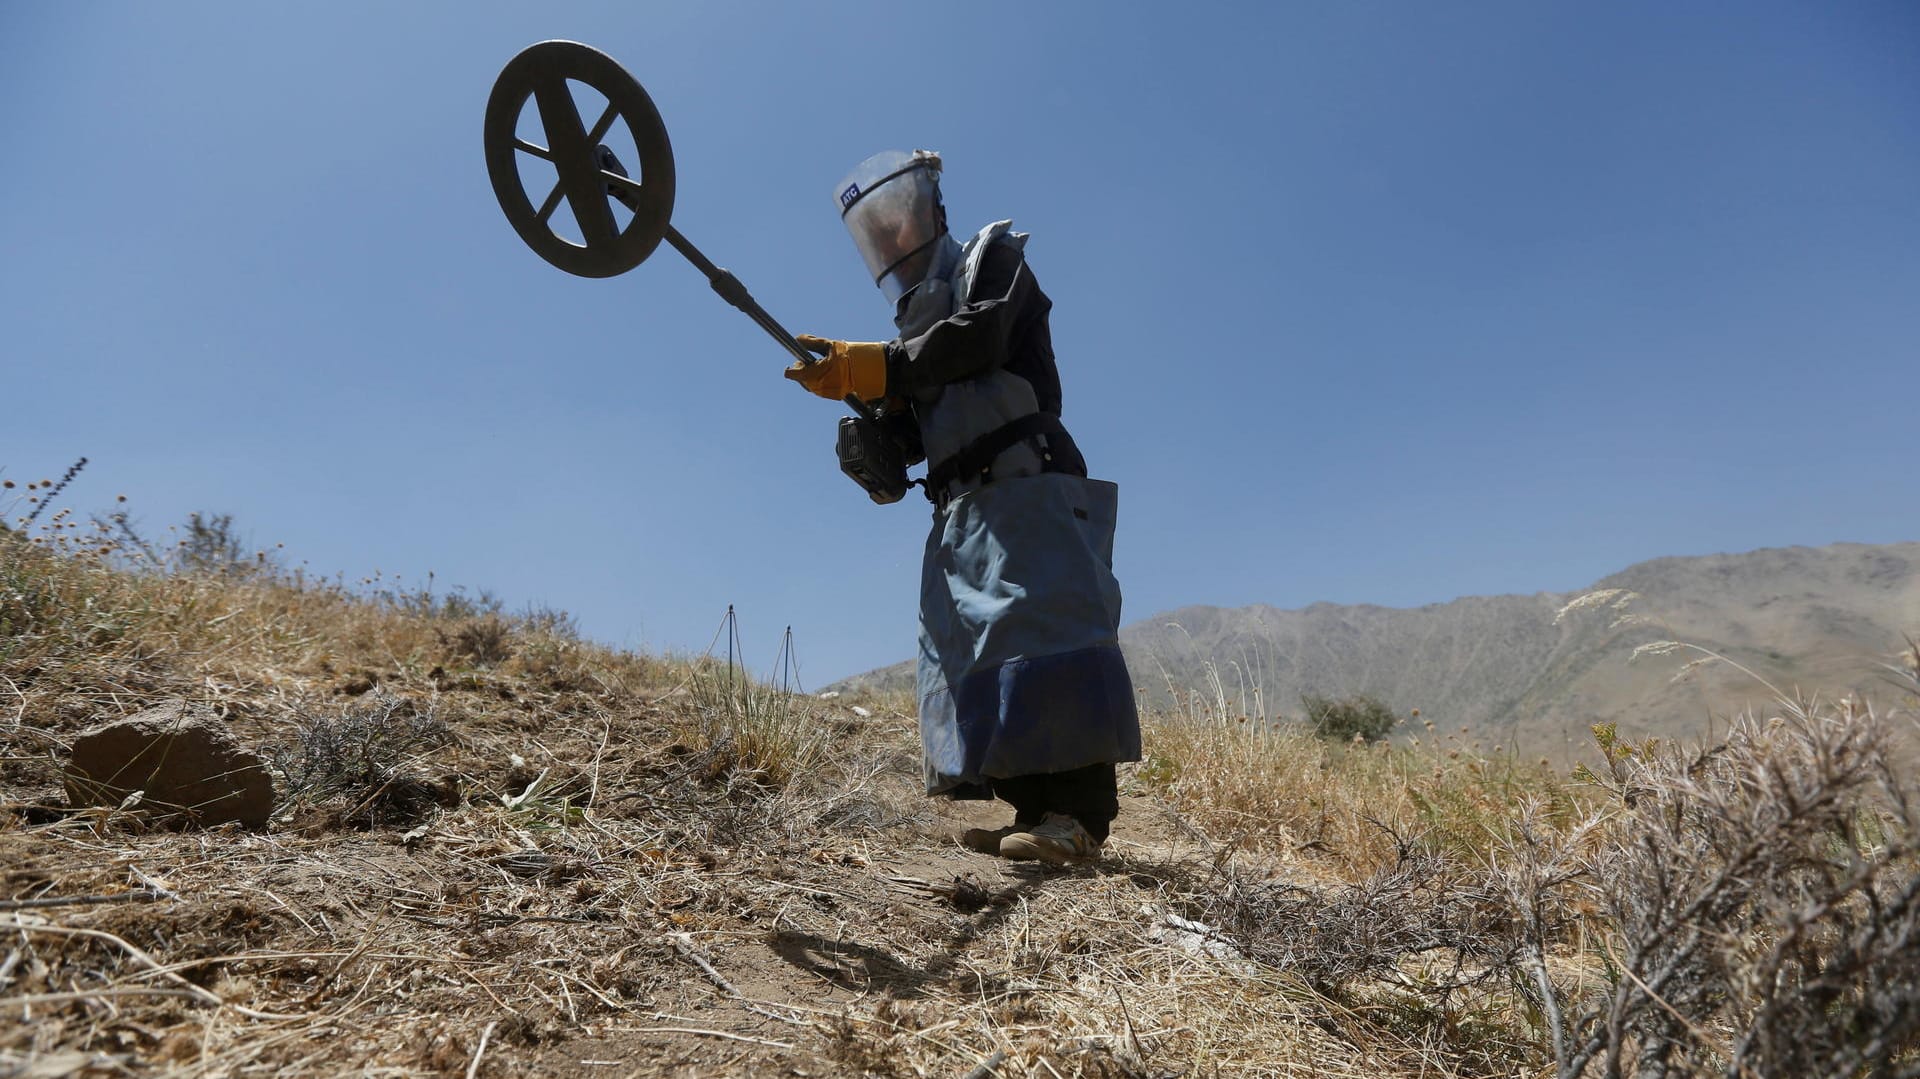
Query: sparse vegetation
point(210, 545)
point(1746, 908)
point(502, 849)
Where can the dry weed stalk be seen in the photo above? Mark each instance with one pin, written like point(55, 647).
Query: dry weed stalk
point(1762, 903)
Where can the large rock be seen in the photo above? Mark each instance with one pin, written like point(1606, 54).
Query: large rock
point(189, 769)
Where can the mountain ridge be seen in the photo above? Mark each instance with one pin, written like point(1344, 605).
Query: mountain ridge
point(1524, 670)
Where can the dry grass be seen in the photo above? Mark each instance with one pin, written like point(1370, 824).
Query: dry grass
point(1279, 788)
point(504, 850)
point(1746, 908)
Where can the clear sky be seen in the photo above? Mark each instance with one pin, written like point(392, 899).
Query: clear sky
point(1359, 302)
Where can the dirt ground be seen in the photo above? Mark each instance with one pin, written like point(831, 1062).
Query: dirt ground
point(902, 886)
point(565, 906)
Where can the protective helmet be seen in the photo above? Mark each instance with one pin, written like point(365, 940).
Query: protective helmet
point(891, 206)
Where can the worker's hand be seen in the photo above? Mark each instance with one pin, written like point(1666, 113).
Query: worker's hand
point(858, 368)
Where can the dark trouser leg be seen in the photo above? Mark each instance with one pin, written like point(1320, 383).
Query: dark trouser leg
point(1090, 795)
point(1027, 795)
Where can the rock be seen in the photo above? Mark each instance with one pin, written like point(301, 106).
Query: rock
point(1194, 938)
point(187, 766)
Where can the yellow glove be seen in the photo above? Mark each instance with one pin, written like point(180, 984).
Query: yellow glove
point(850, 367)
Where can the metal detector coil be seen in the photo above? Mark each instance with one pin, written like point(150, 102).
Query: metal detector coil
point(541, 72)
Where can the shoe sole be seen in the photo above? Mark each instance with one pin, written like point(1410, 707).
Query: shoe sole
point(1023, 849)
point(984, 840)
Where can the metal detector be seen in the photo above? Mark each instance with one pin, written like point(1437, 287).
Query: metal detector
point(541, 72)
point(589, 175)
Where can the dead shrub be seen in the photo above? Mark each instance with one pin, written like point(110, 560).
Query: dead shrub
point(1762, 905)
point(486, 640)
point(358, 763)
point(1333, 936)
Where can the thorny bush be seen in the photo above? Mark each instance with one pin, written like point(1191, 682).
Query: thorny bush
point(1764, 905)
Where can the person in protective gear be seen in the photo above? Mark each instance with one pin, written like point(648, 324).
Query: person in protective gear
point(1023, 692)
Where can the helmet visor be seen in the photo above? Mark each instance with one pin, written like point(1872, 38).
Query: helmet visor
point(890, 206)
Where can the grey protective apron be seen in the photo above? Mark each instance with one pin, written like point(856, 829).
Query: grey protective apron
point(1020, 671)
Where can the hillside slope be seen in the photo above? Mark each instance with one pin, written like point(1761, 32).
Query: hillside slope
point(497, 849)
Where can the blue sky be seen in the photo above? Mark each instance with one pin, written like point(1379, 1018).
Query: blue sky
point(1384, 303)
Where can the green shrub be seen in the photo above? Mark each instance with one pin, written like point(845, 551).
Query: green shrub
point(1347, 718)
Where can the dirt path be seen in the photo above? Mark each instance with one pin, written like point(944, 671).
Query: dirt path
point(902, 920)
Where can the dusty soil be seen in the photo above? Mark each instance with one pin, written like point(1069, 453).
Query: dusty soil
point(914, 882)
point(590, 894)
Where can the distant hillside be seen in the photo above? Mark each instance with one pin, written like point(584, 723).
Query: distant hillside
point(1813, 617)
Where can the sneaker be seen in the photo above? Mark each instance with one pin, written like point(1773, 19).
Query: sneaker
point(1058, 839)
point(986, 840)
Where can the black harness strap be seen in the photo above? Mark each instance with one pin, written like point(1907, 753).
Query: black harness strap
point(976, 457)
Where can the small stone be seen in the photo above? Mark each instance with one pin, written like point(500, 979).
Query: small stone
point(187, 766)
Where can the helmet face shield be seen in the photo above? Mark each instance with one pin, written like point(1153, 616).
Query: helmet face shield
point(890, 204)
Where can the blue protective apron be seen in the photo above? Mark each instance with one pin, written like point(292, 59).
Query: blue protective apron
point(1020, 671)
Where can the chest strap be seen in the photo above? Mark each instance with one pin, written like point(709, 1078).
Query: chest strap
point(976, 457)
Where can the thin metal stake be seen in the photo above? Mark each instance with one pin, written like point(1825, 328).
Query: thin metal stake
point(732, 633)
